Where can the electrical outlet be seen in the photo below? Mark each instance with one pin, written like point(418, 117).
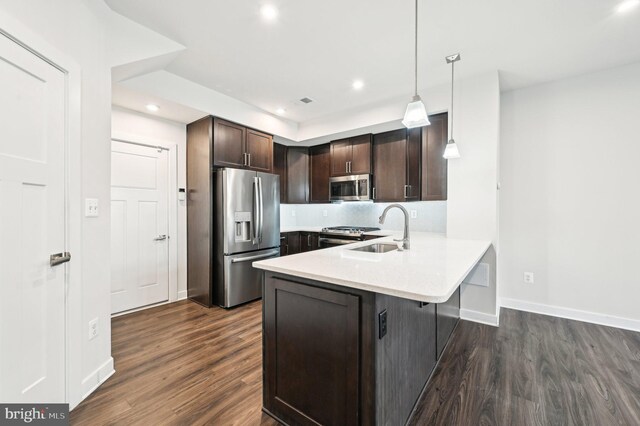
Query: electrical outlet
point(528, 277)
point(91, 207)
point(325, 213)
point(414, 214)
point(93, 328)
point(293, 213)
point(382, 324)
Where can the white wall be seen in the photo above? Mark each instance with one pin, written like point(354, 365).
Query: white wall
point(570, 204)
point(72, 28)
point(133, 126)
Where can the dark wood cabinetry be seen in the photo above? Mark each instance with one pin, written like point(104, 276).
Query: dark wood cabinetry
point(396, 165)
point(280, 168)
point(326, 360)
point(434, 167)
point(297, 175)
point(259, 149)
point(199, 212)
point(319, 173)
point(329, 357)
point(308, 241)
point(239, 147)
point(351, 156)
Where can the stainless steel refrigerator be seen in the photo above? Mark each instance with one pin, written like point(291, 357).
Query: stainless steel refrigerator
point(246, 228)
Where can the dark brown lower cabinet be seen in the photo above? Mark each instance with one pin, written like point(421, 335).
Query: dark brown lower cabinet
point(327, 359)
point(308, 241)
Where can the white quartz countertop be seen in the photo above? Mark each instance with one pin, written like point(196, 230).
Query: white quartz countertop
point(430, 271)
point(301, 229)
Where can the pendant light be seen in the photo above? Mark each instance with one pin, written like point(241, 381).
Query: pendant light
point(451, 150)
point(416, 113)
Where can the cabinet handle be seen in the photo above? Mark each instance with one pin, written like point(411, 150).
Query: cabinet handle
point(309, 240)
point(374, 193)
point(346, 167)
point(350, 167)
point(405, 191)
point(244, 158)
point(249, 160)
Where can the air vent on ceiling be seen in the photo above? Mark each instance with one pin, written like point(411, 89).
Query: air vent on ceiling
point(306, 100)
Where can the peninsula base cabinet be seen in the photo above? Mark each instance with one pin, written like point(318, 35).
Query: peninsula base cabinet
point(340, 356)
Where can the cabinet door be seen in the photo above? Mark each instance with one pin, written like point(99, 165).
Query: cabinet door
point(434, 167)
point(319, 173)
point(390, 165)
point(340, 157)
point(293, 242)
point(414, 142)
point(315, 331)
point(284, 244)
point(259, 148)
point(280, 168)
point(228, 144)
point(360, 155)
point(308, 241)
point(297, 175)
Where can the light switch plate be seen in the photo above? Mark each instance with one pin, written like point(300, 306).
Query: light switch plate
point(414, 214)
point(91, 207)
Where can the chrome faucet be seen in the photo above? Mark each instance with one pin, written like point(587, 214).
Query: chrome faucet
point(405, 237)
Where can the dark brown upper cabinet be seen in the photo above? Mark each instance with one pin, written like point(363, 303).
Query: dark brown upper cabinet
point(434, 167)
point(319, 173)
point(239, 147)
point(280, 168)
point(351, 156)
point(297, 175)
point(396, 165)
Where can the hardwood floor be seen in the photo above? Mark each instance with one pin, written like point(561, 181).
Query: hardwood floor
point(535, 370)
point(183, 364)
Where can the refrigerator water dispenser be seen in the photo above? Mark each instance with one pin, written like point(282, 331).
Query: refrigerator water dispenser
point(242, 222)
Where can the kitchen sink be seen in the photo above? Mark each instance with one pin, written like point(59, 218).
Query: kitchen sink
point(377, 248)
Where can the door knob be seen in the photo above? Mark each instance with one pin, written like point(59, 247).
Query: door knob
point(160, 238)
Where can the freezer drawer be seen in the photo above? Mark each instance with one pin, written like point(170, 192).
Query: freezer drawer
point(242, 282)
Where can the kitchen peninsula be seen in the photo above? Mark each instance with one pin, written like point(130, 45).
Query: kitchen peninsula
point(351, 336)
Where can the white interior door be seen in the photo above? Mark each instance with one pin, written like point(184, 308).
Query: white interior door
point(139, 226)
point(32, 227)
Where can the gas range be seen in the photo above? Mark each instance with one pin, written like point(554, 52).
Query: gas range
point(352, 232)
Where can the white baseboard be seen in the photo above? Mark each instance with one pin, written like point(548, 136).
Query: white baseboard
point(97, 377)
point(573, 314)
point(182, 295)
point(481, 317)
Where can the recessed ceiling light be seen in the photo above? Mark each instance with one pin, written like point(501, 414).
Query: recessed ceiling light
point(269, 12)
point(627, 5)
point(281, 111)
point(153, 107)
point(357, 84)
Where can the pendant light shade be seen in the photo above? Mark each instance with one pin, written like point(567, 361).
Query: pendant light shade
point(451, 150)
point(416, 113)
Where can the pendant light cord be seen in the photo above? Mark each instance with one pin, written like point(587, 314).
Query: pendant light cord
point(415, 46)
point(452, 65)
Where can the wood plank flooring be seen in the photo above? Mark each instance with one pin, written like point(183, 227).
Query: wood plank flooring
point(182, 364)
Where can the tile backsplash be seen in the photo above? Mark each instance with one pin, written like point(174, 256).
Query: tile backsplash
point(431, 215)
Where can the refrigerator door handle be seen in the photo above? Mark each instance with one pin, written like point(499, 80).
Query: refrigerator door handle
point(256, 257)
point(256, 212)
point(261, 212)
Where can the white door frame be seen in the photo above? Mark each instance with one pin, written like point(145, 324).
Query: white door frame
point(172, 211)
point(34, 43)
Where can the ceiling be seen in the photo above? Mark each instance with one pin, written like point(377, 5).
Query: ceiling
point(317, 49)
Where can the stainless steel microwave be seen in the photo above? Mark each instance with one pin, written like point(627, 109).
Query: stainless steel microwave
point(350, 188)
